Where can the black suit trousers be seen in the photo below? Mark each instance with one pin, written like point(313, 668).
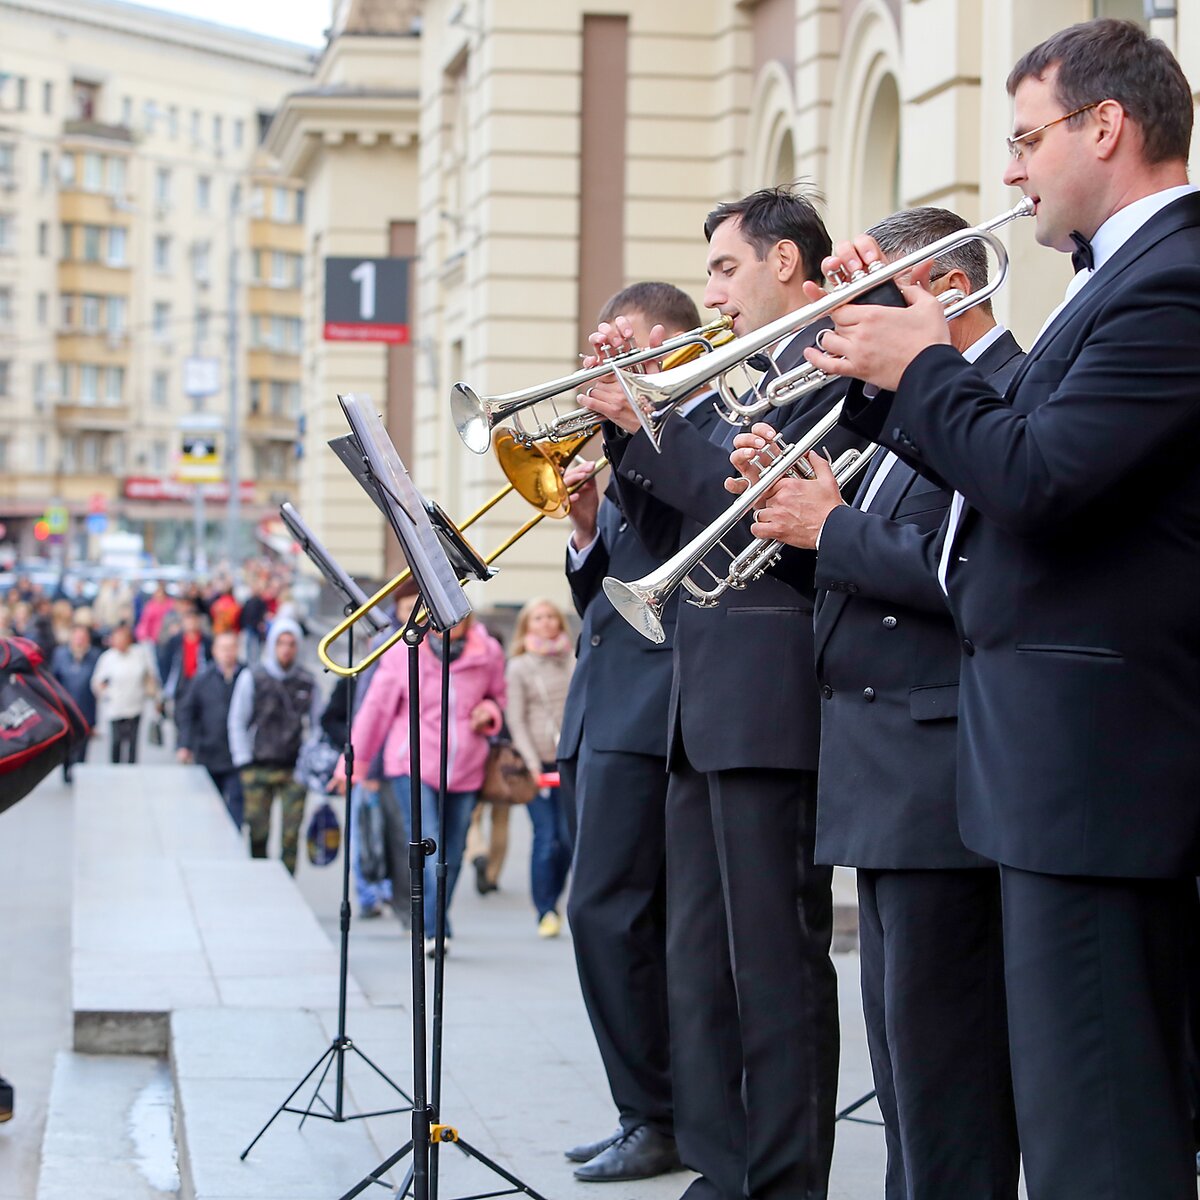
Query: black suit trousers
point(753, 994)
point(1096, 972)
point(617, 912)
point(932, 961)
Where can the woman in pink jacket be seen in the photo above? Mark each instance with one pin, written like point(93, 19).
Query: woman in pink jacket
point(477, 697)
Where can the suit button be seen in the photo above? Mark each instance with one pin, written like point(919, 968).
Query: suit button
point(827, 691)
point(596, 639)
point(852, 588)
point(889, 622)
point(968, 647)
point(868, 694)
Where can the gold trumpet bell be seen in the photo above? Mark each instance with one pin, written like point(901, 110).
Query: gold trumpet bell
point(536, 471)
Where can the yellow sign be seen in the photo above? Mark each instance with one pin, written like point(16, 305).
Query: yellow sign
point(199, 462)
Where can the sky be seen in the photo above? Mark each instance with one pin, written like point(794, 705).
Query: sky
point(293, 20)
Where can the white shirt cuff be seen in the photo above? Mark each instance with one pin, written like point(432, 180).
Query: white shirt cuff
point(576, 558)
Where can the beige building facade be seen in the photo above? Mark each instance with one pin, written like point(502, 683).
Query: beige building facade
point(569, 149)
point(139, 228)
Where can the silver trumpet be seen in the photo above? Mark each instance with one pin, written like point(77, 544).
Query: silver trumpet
point(475, 416)
point(641, 602)
point(654, 397)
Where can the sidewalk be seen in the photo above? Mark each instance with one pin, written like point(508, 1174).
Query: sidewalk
point(522, 1076)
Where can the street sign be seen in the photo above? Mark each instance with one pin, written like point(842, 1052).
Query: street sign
point(199, 462)
point(57, 519)
point(366, 300)
point(201, 376)
point(97, 523)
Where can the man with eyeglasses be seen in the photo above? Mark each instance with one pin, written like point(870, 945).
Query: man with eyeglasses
point(1070, 561)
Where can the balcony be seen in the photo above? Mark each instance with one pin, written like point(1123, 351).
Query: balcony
point(270, 427)
point(84, 128)
point(77, 416)
point(92, 346)
point(94, 278)
point(80, 207)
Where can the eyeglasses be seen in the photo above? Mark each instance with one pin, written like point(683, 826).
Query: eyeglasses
point(1017, 149)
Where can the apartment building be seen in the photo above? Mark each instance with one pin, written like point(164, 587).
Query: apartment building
point(142, 231)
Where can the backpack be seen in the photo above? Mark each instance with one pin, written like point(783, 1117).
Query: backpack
point(39, 722)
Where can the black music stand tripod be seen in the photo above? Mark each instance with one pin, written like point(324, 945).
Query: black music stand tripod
point(428, 1131)
point(335, 1053)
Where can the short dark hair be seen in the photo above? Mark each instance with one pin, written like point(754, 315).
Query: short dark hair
point(777, 214)
point(659, 303)
point(1107, 59)
point(913, 228)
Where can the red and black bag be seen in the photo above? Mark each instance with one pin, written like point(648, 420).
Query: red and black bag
point(39, 722)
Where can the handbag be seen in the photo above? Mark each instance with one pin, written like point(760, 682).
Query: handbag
point(506, 779)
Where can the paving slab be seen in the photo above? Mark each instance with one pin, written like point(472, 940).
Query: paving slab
point(109, 1130)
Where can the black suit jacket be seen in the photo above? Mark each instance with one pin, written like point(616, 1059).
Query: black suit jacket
point(1075, 577)
point(887, 661)
point(743, 692)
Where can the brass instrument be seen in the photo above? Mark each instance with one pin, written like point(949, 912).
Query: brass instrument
point(655, 396)
point(395, 584)
point(476, 416)
point(641, 602)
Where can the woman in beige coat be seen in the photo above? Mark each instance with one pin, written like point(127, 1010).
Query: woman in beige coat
point(539, 671)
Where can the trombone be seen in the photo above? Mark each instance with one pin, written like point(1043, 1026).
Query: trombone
point(654, 396)
point(395, 584)
point(642, 601)
point(475, 416)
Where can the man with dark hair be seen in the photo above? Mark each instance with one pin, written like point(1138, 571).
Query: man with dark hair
point(612, 759)
point(1074, 589)
point(753, 994)
point(887, 661)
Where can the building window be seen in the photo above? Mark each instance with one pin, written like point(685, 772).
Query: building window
point(93, 172)
point(158, 389)
point(195, 127)
point(39, 381)
point(66, 171)
point(67, 463)
point(158, 456)
point(86, 97)
point(39, 452)
point(5, 378)
point(44, 169)
point(6, 306)
point(217, 132)
point(64, 380)
point(127, 111)
point(255, 397)
point(89, 383)
point(116, 456)
point(116, 247)
point(162, 318)
point(173, 122)
point(48, 98)
point(43, 309)
point(203, 193)
point(201, 324)
point(91, 454)
point(202, 261)
point(93, 235)
point(114, 384)
point(239, 133)
point(278, 397)
point(66, 310)
point(68, 240)
point(162, 254)
point(162, 187)
point(22, 86)
point(8, 233)
point(282, 204)
point(115, 316)
point(116, 176)
point(4, 453)
point(90, 313)
point(43, 238)
point(8, 160)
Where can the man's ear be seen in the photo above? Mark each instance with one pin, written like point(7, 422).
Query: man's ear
point(1109, 128)
point(957, 280)
point(787, 259)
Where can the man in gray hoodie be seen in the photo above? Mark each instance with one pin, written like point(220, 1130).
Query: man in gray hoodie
point(272, 707)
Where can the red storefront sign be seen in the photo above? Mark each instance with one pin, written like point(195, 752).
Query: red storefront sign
point(153, 488)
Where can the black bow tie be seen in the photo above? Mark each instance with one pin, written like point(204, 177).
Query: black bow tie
point(1081, 257)
point(762, 362)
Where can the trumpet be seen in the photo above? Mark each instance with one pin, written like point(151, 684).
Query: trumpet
point(402, 578)
point(642, 601)
point(475, 416)
point(654, 396)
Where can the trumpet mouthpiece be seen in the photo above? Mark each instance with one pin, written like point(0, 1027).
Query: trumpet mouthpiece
point(470, 415)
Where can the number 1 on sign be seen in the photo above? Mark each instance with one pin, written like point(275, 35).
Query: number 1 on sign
point(364, 276)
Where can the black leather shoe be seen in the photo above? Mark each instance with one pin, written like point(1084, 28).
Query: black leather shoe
point(589, 1150)
point(639, 1154)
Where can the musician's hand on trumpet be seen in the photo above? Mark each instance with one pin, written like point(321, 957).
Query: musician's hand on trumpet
point(795, 509)
point(872, 342)
point(605, 396)
point(585, 502)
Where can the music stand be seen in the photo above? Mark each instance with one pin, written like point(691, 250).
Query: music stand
point(335, 1054)
point(383, 475)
